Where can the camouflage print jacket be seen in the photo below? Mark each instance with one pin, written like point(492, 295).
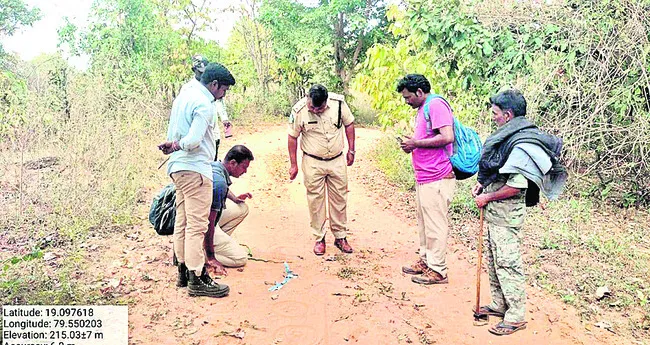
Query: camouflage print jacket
point(508, 212)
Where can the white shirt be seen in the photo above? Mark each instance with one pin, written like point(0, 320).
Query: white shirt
point(219, 108)
point(219, 112)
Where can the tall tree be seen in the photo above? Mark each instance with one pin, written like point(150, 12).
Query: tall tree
point(356, 26)
point(13, 90)
point(132, 46)
point(325, 43)
point(14, 14)
point(257, 39)
point(301, 49)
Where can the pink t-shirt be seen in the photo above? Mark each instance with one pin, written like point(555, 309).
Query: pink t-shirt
point(432, 164)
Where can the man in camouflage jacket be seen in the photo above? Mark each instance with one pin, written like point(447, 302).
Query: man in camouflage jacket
point(504, 203)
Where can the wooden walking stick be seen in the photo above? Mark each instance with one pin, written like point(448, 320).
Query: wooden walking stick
point(479, 319)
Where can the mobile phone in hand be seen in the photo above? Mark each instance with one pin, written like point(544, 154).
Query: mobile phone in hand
point(399, 139)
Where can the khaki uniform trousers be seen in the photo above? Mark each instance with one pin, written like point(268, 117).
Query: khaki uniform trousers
point(226, 250)
point(193, 200)
point(432, 203)
point(326, 179)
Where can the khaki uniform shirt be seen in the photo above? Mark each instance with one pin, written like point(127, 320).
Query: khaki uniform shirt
point(320, 137)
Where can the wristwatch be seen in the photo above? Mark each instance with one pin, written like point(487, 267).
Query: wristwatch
point(352, 152)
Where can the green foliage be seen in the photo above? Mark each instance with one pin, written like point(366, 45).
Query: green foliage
point(580, 66)
point(394, 163)
point(239, 62)
point(322, 44)
point(133, 46)
point(462, 59)
point(463, 205)
point(13, 102)
point(27, 280)
point(35, 254)
point(14, 14)
point(303, 50)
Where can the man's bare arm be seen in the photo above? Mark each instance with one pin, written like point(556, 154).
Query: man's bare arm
point(208, 241)
point(445, 137)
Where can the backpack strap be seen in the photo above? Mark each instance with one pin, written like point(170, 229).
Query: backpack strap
point(338, 123)
point(340, 98)
point(427, 116)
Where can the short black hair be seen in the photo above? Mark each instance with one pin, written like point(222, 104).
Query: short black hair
point(512, 100)
point(239, 153)
point(216, 71)
point(413, 82)
point(318, 95)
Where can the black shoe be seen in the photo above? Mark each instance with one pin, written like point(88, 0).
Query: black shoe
point(181, 280)
point(198, 287)
point(205, 277)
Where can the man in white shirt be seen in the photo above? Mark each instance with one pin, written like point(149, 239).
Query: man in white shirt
point(198, 67)
point(191, 146)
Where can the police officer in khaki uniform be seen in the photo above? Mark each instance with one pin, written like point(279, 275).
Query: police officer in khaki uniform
point(322, 118)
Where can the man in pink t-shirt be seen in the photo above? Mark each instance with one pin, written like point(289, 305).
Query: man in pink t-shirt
point(435, 181)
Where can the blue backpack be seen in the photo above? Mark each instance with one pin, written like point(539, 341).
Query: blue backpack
point(467, 144)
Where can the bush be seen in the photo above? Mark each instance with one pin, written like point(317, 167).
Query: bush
point(393, 162)
point(581, 65)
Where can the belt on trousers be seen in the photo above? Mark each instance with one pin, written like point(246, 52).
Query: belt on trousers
point(323, 159)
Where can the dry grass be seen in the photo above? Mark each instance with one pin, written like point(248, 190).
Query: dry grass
point(574, 247)
point(85, 176)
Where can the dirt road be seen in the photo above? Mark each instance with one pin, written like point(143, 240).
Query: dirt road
point(361, 298)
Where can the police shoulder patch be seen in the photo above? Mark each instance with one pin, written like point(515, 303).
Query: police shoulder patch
point(299, 105)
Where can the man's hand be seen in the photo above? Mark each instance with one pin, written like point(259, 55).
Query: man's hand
point(478, 189)
point(408, 145)
point(217, 267)
point(350, 158)
point(169, 147)
point(482, 200)
point(242, 197)
point(293, 171)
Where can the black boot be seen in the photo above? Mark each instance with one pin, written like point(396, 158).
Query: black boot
point(205, 277)
point(204, 286)
point(183, 276)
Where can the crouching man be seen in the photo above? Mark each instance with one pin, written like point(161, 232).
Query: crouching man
point(227, 212)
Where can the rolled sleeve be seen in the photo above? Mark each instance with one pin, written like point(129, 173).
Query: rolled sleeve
point(295, 125)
